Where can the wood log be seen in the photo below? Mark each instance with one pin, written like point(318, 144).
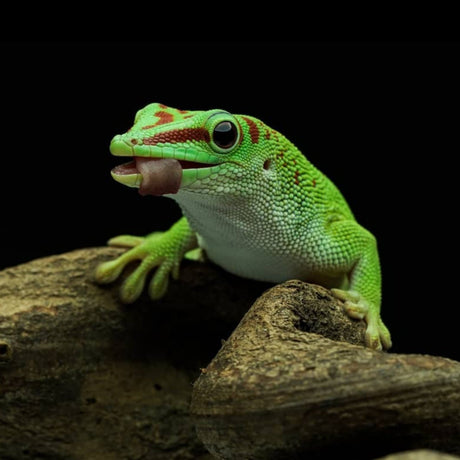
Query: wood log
point(85, 377)
point(278, 390)
point(421, 454)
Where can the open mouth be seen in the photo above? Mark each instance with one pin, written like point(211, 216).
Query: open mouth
point(132, 166)
point(155, 176)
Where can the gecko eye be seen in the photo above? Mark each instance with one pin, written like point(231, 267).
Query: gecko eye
point(225, 135)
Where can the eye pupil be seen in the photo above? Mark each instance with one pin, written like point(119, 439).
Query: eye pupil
point(225, 135)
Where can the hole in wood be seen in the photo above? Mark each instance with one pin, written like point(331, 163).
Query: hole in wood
point(4, 348)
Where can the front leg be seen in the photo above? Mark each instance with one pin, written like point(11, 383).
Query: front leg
point(161, 250)
point(356, 249)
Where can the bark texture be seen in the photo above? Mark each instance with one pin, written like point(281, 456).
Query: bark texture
point(422, 454)
point(85, 377)
point(277, 390)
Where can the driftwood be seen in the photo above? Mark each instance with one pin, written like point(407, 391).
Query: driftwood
point(84, 377)
point(278, 391)
point(420, 455)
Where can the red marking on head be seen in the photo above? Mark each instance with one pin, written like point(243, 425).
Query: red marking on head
point(313, 182)
point(178, 135)
point(164, 117)
point(162, 106)
point(253, 130)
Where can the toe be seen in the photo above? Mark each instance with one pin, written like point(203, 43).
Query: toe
point(108, 271)
point(385, 336)
point(159, 283)
point(132, 287)
point(373, 338)
point(343, 295)
point(126, 241)
point(355, 310)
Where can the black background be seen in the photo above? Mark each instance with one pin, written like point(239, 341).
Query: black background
point(380, 119)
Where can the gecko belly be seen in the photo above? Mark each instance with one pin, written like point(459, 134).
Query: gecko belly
point(253, 264)
point(260, 265)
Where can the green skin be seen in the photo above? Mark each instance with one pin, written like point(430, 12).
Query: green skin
point(253, 203)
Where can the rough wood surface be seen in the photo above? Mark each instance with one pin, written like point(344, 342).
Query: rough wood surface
point(278, 391)
point(422, 454)
point(84, 377)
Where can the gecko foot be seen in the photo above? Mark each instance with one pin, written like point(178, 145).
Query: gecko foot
point(154, 253)
point(357, 307)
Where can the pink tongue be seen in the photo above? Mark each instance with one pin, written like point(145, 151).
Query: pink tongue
point(159, 175)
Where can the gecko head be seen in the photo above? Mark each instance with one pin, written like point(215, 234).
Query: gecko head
point(202, 152)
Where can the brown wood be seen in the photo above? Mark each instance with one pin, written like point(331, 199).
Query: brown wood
point(84, 377)
point(276, 390)
point(422, 454)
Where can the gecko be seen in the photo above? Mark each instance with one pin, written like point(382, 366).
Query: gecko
point(251, 201)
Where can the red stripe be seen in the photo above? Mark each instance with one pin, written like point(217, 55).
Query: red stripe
point(178, 135)
point(253, 130)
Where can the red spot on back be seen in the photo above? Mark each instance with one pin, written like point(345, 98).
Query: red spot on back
point(313, 182)
point(253, 130)
point(296, 177)
point(178, 135)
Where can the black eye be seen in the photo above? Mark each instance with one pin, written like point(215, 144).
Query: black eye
point(225, 135)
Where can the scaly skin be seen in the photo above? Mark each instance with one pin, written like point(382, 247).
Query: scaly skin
point(255, 205)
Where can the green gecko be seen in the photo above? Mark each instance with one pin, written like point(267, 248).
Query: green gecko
point(251, 201)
